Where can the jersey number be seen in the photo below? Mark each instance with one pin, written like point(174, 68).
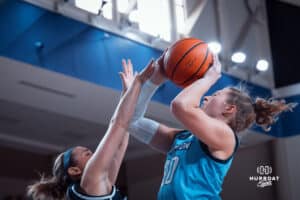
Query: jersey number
point(169, 171)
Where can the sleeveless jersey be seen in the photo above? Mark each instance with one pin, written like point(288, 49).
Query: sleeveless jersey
point(191, 172)
point(74, 194)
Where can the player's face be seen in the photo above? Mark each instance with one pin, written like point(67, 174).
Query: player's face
point(81, 156)
point(214, 105)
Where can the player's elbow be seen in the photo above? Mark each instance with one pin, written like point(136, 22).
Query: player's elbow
point(178, 107)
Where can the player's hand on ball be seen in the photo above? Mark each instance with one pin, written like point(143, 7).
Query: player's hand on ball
point(147, 72)
point(159, 76)
point(214, 72)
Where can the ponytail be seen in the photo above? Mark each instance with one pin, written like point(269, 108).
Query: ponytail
point(262, 112)
point(50, 188)
point(53, 188)
point(267, 111)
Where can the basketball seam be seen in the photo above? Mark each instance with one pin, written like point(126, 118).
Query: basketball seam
point(199, 68)
point(174, 69)
point(177, 43)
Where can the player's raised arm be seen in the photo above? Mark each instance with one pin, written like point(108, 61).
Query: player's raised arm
point(212, 131)
point(97, 171)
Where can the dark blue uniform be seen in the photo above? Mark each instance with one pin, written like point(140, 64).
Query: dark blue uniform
point(73, 193)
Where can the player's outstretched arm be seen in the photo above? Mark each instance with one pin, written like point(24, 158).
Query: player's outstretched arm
point(96, 176)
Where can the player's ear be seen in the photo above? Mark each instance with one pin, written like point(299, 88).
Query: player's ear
point(74, 171)
point(229, 109)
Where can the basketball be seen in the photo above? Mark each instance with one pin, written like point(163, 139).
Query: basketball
point(187, 60)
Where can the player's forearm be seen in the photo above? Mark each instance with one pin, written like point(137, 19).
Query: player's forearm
point(191, 95)
point(140, 127)
point(126, 107)
point(118, 158)
point(147, 91)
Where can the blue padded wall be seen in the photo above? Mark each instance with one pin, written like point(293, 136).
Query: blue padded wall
point(289, 123)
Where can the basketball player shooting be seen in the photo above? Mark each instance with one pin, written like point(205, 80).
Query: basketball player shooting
point(198, 158)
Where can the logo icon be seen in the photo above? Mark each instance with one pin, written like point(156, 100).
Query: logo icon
point(264, 177)
point(264, 170)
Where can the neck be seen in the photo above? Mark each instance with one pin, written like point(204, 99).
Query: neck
point(226, 120)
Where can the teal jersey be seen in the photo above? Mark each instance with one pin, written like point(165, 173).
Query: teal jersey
point(191, 172)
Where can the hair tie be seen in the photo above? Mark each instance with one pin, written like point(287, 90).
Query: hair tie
point(67, 159)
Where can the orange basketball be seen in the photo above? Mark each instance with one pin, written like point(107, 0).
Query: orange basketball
point(187, 60)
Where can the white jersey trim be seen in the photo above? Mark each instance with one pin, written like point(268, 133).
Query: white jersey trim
point(110, 196)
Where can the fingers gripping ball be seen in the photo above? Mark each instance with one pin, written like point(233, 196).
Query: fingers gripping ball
point(187, 60)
